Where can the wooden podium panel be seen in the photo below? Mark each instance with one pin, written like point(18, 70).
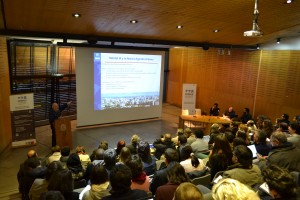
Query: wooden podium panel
point(208, 120)
point(63, 132)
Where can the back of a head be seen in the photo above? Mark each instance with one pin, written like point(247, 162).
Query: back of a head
point(80, 149)
point(52, 195)
point(52, 167)
point(99, 175)
point(120, 145)
point(103, 145)
point(186, 152)
point(56, 148)
point(182, 139)
point(171, 155)
point(294, 125)
point(242, 134)
point(62, 181)
point(230, 189)
point(284, 126)
point(221, 143)
point(176, 173)
point(261, 136)
point(31, 153)
point(32, 163)
point(65, 151)
point(110, 157)
point(120, 178)
point(136, 166)
point(280, 180)
point(125, 154)
point(99, 154)
point(199, 133)
point(187, 132)
point(285, 116)
point(244, 155)
point(135, 139)
point(187, 191)
point(279, 136)
point(238, 141)
point(180, 131)
point(73, 161)
point(214, 128)
point(167, 137)
point(143, 150)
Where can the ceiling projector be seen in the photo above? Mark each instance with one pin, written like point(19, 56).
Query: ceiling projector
point(253, 33)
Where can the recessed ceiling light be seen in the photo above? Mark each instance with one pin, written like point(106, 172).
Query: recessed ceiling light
point(289, 1)
point(133, 21)
point(179, 26)
point(216, 30)
point(76, 15)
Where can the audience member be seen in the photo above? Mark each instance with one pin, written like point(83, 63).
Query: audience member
point(285, 118)
point(251, 126)
point(238, 141)
point(215, 110)
point(242, 134)
point(160, 176)
point(65, 152)
point(84, 158)
point(294, 130)
point(297, 118)
point(182, 143)
point(74, 165)
point(220, 156)
point(140, 180)
point(214, 131)
point(191, 162)
point(98, 160)
point(260, 141)
point(283, 153)
point(110, 159)
point(149, 162)
point(103, 145)
point(280, 182)
point(191, 137)
point(243, 170)
point(259, 121)
point(283, 127)
point(62, 181)
point(52, 195)
point(32, 170)
point(176, 176)
point(134, 142)
point(99, 184)
point(40, 185)
point(230, 189)
point(124, 155)
point(246, 116)
point(55, 154)
point(230, 113)
point(199, 146)
point(178, 133)
point(187, 191)
point(120, 180)
point(267, 127)
point(120, 145)
point(162, 144)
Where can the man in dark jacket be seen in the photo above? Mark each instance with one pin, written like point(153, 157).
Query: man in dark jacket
point(162, 144)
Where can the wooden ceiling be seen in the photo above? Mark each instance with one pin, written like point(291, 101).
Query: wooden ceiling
point(157, 20)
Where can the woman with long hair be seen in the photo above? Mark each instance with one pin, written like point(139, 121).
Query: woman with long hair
point(220, 156)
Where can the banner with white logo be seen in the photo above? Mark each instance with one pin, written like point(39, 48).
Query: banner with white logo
point(189, 98)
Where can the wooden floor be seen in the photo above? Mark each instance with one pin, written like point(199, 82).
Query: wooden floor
point(89, 138)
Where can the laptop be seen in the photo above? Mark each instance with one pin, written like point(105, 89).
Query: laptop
point(253, 149)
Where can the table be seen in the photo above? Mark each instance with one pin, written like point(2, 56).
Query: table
point(207, 121)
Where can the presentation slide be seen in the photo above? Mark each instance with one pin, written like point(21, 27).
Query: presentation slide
point(118, 85)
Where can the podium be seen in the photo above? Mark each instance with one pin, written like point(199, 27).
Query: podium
point(63, 132)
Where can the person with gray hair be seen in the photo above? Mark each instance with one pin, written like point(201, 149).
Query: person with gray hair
point(283, 153)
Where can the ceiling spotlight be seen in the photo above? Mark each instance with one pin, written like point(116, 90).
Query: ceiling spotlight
point(278, 40)
point(133, 21)
point(257, 46)
point(76, 15)
point(179, 26)
point(216, 30)
point(289, 1)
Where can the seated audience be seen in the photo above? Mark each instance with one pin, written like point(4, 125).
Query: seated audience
point(120, 145)
point(55, 154)
point(187, 191)
point(190, 162)
point(175, 139)
point(125, 154)
point(110, 159)
point(160, 176)
point(62, 181)
point(84, 158)
point(260, 141)
point(199, 146)
point(182, 143)
point(280, 182)
point(176, 176)
point(294, 130)
point(242, 134)
point(31, 171)
point(190, 135)
point(251, 126)
point(134, 142)
point(65, 152)
point(40, 185)
point(214, 131)
point(52, 195)
point(267, 127)
point(162, 144)
point(259, 121)
point(149, 162)
point(285, 118)
point(74, 165)
point(284, 127)
point(99, 184)
point(98, 160)
point(120, 180)
point(246, 116)
point(283, 153)
point(238, 141)
point(243, 170)
point(230, 189)
point(140, 180)
point(103, 145)
point(220, 156)
point(230, 113)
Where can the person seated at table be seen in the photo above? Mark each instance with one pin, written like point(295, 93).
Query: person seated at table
point(230, 113)
point(215, 110)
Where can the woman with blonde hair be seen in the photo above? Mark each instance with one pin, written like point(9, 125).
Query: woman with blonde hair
point(230, 189)
point(187, 191)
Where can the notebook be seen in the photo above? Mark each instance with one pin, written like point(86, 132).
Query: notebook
point(253, 149)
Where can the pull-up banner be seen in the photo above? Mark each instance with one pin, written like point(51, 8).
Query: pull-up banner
point(22, 118)
point(189, 98)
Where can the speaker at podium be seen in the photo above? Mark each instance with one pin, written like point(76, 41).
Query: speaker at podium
point(63, 132)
